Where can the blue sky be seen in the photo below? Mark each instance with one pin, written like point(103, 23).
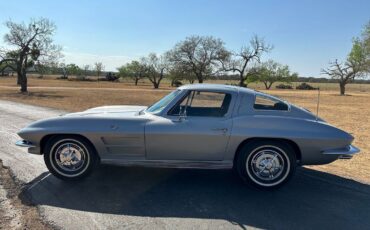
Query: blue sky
point(306, 34)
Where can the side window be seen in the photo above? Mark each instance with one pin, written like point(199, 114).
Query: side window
point(268, 103)
point(203, 104)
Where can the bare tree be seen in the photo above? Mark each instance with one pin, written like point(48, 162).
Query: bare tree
point(86, 70)
point(343, 72)
point(200, 55)
point(99, 67)
point(31, 42)
point(239, 61)
point(357, 64)
point(157, 67)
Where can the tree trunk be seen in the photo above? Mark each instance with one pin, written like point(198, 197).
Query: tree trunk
point(269, 85)
point(241, 81)
point(19, 78)
point(23, 81)
point(199, 77)
point(156, 85)
point(136, 81)
point(342, 86)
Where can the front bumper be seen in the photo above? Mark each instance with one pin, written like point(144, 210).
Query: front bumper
point(343, 153)
point(24, 143)
point(31, 147)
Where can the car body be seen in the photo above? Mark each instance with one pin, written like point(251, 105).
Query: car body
point(196, 126)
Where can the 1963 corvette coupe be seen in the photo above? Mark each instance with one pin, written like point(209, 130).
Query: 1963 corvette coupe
point(261, 137)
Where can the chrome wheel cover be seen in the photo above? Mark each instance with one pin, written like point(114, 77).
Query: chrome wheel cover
point(267, 165)
point(70, 157)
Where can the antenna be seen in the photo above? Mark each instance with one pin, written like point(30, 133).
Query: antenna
point(318, 103)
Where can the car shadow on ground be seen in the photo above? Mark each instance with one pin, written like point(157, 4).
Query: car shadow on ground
point(312, 199)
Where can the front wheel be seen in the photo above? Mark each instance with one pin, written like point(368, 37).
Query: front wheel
point(266, 164)
point(70, 157)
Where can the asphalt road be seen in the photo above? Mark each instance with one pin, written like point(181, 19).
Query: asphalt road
point(145, 198)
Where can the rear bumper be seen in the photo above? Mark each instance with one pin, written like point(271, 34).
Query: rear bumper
point(31, 147)
point(343, 153)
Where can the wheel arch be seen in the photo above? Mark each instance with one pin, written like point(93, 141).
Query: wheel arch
point(46, 138)
point(291, 143)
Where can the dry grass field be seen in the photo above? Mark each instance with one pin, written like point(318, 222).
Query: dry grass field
point(351, 112)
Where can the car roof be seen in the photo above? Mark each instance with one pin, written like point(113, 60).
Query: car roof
point(220, 87)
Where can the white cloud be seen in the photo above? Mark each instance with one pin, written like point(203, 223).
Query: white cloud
point(110, 62)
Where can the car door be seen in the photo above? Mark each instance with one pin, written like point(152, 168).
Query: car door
point(196, 128)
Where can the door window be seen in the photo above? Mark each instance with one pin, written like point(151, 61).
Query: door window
point(203, 104)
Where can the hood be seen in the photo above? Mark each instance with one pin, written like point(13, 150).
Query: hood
point(91, 120)
point(109, 111)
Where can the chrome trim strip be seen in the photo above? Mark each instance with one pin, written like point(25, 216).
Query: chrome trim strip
point(349, 151)
point(24, 143)
point(171, 163)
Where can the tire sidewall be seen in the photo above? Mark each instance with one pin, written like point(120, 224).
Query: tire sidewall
point(246, 154)
point(50, 151)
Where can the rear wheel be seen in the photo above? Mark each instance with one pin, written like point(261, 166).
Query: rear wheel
point(266, 164)
point(70, 157)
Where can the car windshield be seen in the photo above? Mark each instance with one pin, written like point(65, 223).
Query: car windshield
point(161, 104)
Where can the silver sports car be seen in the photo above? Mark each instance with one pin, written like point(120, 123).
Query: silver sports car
point(261, 137)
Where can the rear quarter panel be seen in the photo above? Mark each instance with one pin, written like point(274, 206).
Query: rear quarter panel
point(312, 137)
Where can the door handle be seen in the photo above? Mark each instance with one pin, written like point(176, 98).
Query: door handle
point(224, 130)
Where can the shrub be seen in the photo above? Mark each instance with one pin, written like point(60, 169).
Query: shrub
point(305, 86)
point(79, 78)
point(63, 77)
point(111, 77)
point(177, 83)
point(283, 86)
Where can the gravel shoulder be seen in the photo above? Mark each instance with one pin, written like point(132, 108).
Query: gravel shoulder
point(17, 212)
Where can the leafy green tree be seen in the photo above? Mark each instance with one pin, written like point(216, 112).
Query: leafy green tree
point(134, 70)
point(178, 73)
point(365, 38)
point(270, 72)
point(73, 69)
